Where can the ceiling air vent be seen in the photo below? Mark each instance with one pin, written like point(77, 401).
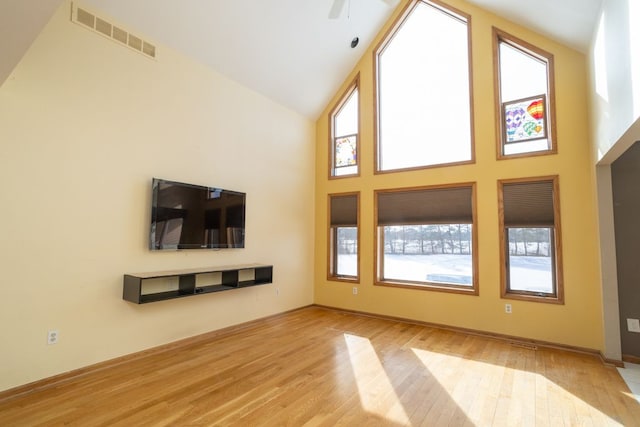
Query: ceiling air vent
point(107, 29)
point(85, 18)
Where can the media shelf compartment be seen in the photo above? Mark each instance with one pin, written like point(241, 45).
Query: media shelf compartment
point(141, 288)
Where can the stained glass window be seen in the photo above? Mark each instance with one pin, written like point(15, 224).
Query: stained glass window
point(345, 134)
point(525, 120)
point(524, 79)
point(346, 151)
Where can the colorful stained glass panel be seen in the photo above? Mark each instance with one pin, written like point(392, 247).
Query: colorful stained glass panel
point(525, 119)
point(346, 151)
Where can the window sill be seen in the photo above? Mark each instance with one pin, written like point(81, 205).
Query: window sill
point(423, 167)
point(424, 286)
point(346, 279)
point(351, 175)
point(527, 154)
point(532, 297)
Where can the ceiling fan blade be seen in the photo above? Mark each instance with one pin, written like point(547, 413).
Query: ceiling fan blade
point(336, 9)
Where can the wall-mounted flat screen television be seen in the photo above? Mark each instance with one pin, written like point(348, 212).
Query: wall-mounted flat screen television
point(188, 216)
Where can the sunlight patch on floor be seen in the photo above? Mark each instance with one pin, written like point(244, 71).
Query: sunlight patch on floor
point(631, 375)
point(461, 385)
point(504, 395)
point(377, 394)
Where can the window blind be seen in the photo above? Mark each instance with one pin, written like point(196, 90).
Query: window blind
point(344, 211)
point(528, 204)
point(426, 206)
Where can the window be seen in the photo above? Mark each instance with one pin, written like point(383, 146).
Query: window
point(525, 107)
point(423, 91)
point(530, 239)
point(343, 237)
point(344, 134)
point(426, 238)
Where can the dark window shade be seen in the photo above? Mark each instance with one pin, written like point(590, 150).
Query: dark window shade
point(344, 211)
point(427, 206)
point(528, 204)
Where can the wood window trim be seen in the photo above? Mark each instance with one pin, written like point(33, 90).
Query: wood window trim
point(428, 286)
point(500, 36)
point(505, 293)
point(382, 45)
point(353, 86)
point(332, 238)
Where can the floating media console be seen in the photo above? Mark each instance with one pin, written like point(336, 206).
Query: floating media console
point(141, 288)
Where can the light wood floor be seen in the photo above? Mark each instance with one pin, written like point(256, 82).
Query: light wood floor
point(320, 367)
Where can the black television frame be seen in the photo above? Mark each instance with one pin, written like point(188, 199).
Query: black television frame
point(229, 235)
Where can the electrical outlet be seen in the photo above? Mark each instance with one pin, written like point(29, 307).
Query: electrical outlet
point(633, 325)
point(277, 291)
point(507, 308)
point(355, 290)
point(52, 337)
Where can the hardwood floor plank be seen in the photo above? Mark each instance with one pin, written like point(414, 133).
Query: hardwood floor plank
point(320, 367)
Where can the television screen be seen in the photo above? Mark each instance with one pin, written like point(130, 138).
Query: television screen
point(187, 216)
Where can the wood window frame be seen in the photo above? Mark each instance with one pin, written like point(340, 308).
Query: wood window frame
point(500, 36)
point(382, 45)
point(353, 86)
point(556, 250)
point(474, 289)
point(332, 237)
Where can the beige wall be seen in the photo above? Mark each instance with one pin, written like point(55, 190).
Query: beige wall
point(579, 321)
point(84, 125)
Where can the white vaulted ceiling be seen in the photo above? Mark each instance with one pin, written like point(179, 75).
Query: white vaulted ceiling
point(288, 50)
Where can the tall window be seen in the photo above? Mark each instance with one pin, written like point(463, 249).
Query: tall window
point(426, 238)
point(423, 89)
point(524, 82)
point(343, 237)
point(344, 134)
point(530, 239)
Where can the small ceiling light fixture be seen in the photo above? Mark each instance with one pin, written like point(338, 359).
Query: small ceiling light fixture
point(354, 42)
